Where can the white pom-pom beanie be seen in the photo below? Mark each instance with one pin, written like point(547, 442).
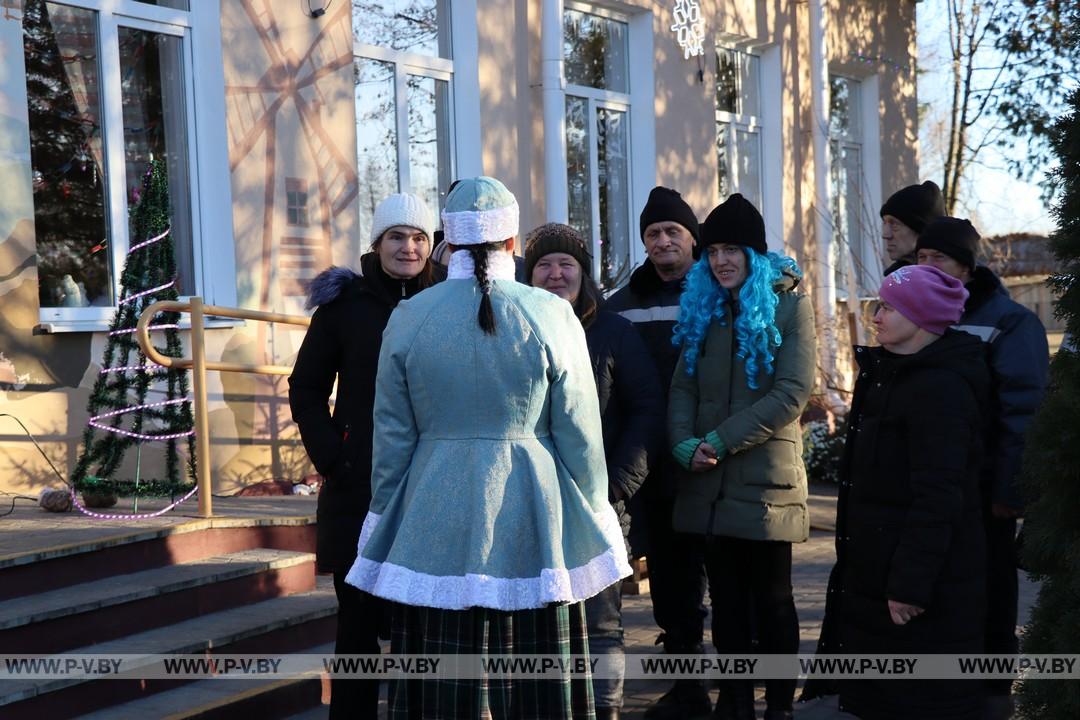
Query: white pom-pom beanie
point(402, 209)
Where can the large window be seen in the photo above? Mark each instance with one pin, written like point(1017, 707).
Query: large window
point(108, 91)
point(847, 187)
point(403, 73)
point(738, 125)
point(598, 165)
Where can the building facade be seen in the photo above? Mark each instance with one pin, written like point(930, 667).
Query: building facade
point(283, 123)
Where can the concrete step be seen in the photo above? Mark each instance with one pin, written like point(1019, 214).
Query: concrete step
point(228, 699)
point(281, 625)
point(94, 612)
point(107, 552)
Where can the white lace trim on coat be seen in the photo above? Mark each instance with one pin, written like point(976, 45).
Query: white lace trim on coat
point(452, 592)
point(476, 227)
point(500, 266)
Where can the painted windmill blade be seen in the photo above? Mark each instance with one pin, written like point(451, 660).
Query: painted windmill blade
point(289, 260)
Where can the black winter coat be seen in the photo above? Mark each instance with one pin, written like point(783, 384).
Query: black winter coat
point(343, 344)
point(909, 522)
point(631, 405)
point(904, 261)
point(652, 304)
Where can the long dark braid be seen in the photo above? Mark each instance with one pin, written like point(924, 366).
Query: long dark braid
point(486, 315)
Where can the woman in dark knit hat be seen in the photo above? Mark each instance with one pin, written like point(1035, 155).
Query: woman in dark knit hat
point(745, 372)
point(631, 412)
point(910, 553)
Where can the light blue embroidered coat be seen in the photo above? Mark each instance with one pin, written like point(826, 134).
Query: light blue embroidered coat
point(489, 485)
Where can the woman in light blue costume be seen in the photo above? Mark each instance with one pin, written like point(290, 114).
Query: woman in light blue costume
point(489, 521)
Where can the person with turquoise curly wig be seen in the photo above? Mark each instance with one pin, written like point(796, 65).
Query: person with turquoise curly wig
point(745, 372)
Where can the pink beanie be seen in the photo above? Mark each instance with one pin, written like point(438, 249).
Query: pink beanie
point(926, 296)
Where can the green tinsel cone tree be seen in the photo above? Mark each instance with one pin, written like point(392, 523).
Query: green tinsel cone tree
point(1051, 473)
point(128, 382)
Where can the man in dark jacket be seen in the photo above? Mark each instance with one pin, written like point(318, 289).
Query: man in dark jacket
point(1019, 357)
point(650, 300)
point(903, 217)
point(343, 344)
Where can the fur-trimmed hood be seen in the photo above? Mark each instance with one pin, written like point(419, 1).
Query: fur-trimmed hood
point(328, 285)
point(335, 281)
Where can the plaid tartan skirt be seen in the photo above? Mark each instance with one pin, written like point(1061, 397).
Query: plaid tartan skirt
point(552, 630)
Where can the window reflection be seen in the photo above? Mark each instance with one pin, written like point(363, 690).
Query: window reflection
point(176, 4)
point(578, 177)
point(415, 26)
point(843, 93)
point(429, 134)
point(67, 155)
point(152, 93)
point(595, 51)
point(614, 175)
point(376, 136)
point(723, 164)
point(749, 170)
point(736, 82)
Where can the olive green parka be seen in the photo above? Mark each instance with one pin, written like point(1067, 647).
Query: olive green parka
point(758, 489)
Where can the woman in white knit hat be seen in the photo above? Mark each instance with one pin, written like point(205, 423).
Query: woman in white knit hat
point(489, 522)
point(342, 344)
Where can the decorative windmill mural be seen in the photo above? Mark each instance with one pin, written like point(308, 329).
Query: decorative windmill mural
point(276, 129)
point(291, 83)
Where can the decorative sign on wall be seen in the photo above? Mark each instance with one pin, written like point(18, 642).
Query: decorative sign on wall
point(689, 28)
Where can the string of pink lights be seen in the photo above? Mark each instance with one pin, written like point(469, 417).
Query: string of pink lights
point(96, 420)
point(127, 516)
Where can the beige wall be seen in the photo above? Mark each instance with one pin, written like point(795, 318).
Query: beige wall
point(289, 112)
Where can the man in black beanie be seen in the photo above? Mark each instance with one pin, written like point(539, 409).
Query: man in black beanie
point(1019, 361)
point(669, 229)
point(904, 216)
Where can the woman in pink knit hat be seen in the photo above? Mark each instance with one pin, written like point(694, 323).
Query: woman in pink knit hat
point(910, 568)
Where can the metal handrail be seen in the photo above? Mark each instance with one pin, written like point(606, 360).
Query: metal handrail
point(198, 365)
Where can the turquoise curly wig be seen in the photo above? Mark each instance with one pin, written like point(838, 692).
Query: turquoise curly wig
point(756, 335)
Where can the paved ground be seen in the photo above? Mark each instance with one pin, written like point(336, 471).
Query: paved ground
point(811, 563)
point(29, 527)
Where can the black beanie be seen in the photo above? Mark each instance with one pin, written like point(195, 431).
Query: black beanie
point(735, 222)
point(667, 205)
point(955, 237)
point(916, 205)
point(555, 238)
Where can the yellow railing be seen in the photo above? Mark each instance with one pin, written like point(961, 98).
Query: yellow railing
point(198, 366)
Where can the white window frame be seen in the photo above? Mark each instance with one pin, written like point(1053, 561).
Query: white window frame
point(619, 102)
point(461, 74)
point(744, 122)
point(868, 246)
point(767, 126)
point(846, 141)
point(207, 147)
point(638, 104)
point(873, 250)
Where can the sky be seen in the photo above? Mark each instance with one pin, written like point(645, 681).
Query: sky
point(995, 200)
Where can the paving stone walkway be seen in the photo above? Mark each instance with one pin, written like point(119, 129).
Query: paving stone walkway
point(29, 528)
point(811, 563)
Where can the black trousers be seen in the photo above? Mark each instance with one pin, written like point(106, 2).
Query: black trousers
point(750, 587)
point(1002, 594)
point(676, 579)
point(358, 620)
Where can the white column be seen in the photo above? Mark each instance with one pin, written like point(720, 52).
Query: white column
point(552, 84)
point(824, 288)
